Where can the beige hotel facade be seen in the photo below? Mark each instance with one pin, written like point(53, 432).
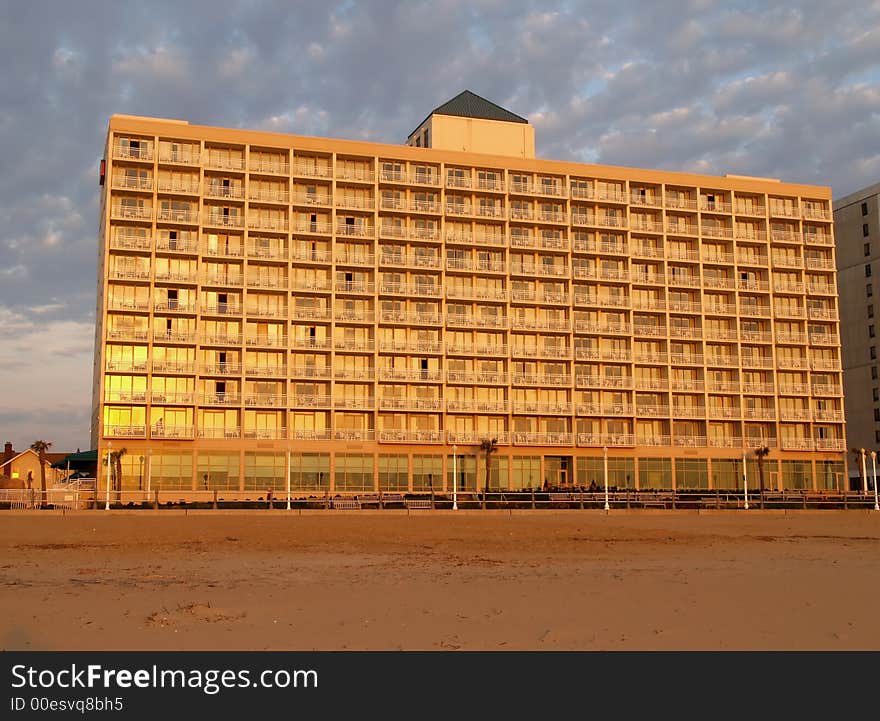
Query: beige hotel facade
point(351, 314)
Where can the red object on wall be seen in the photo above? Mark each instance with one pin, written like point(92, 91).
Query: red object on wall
point(103, 171)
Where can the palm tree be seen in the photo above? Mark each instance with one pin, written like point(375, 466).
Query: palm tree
point(488, 447)
point(760, 453)
point(117, 463)
point(116, 471)
point(41, 447)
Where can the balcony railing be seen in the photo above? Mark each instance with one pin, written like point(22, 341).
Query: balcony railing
point(542, 439)
point(606, 439)
point(393, 436)
point(125, 151)
point(124, 431)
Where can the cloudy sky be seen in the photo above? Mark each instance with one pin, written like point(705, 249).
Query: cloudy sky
point(787, 90)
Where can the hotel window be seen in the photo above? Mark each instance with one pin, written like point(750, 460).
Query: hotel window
point(865, 231)
point(867, 249)
point(867, 270)
point(864, 208)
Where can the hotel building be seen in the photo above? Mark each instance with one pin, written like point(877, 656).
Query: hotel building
point(353, 314)
point(857, 219)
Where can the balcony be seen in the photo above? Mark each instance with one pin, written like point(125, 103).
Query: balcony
point(826, 389)
point(355, 287)
point(543, 408)
point(690, 441)
point(130, 274)
point(277, 224)
point(540, 352)
point(207, 338)
point(689, 411)
point(299, 313)
point(131, 212)
point(316, 228)
point(814, 213)
point(717, 231)
point(220, 399)
point(274, 370)
point(357, 231)
point(471, 378)
point(138, 150)
point(475, 406)
point(311, 401)
point(410, 374)
point(309, 372)
point(185, 432)
point(682, 228)
point(354, 316)
point(652, 411)
point(542, 439)
point(391, 436)
point(224, 161)
point(561, 325)
point(814, 263)
point(260, 195)
point(540, 379)
point(818, 239)
point(390, 316)
point(268, 400)
point(410, 404)
point(827, 416)
point(475, 349)
point(759, 414)
point(606, 439)
point(474, 321)
point(682, 203)
point(223, 309)
point(796, 444)
point(310, 168)
point(221, 369)
point(795, 414)
point(277, 165)
point(221, 432)
point(134, 334)
point(830, 444)
point(124, 431)
point(173, 366)
point(299, 434)
point(122, 239)
point(596, 381)
point(354, 374)
point(785, 236)
point(354, 402)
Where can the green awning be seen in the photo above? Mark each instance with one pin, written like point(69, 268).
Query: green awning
point(77, 461)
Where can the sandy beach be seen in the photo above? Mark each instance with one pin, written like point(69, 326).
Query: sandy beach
point(330, 580)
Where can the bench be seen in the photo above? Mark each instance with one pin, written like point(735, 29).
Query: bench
point(423, 504)
point(345, 504)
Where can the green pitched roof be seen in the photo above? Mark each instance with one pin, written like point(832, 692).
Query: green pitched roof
point(470, 105)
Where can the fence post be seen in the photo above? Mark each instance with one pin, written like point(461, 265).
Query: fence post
point(381, 500)
point(326, 500)
point(581, 499)
point(214, 505)
point(805, 500)
point(533, 499)
point(432, 498)
point(156, 499)
point(673, 499)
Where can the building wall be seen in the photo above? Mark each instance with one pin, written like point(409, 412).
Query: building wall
point(477, 135)
point(264, 292)
point(858, 255)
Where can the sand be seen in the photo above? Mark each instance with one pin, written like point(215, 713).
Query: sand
point(545, 580)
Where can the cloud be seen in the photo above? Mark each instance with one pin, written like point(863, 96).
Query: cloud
point(788, 91)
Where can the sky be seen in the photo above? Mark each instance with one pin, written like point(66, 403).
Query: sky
point(784, 90)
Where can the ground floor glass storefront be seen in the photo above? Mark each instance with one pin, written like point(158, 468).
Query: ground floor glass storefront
point(343, 472)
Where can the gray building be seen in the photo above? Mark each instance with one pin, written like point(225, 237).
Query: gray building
point(857, 229)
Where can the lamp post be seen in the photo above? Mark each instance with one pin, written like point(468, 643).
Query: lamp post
point(149, 469)
point(287, 473)
point(863, 453)
point(141, 473)
point(109, 461)
point(454, 477)
point(745, 483)
point(874, 468)
point(605, 469)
